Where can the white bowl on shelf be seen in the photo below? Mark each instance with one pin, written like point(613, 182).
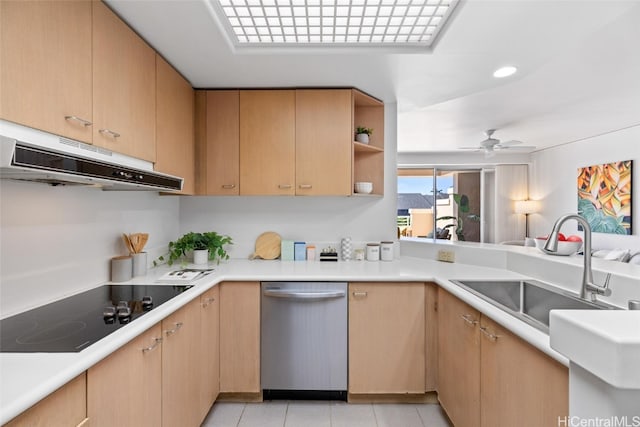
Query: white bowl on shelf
point(564, 248)
point(363, 187)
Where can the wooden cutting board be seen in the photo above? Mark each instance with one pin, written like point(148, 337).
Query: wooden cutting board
point(267, 246)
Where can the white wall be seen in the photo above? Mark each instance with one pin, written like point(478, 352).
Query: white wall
point(553, 179)
point(55, 241)
point(310, 219)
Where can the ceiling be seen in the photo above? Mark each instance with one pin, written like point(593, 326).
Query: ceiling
point(578, 64)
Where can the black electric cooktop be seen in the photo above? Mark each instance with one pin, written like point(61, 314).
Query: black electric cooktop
point(74, 323)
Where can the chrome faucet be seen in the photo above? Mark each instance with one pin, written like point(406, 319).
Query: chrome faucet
point(587, 275)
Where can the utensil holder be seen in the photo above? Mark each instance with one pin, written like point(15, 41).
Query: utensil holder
point(139, 264)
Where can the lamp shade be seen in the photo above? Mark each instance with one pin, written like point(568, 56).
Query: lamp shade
point(526, 206)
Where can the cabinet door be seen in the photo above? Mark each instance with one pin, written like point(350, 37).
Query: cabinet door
point(267, 142)
point(458, 360)
point(240, 337)
point(520, 384)
point(175, 145)
point(386, 338)
point(219, 171)
point(180, 367)
point(323, 142)
point(125, 388)
point(67, 406)
point(210, 351)
point(45, 72)
point(124, 87)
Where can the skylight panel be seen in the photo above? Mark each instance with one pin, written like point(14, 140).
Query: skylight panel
point(326, 23)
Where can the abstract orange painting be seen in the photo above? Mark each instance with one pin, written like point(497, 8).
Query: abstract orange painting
point(604, 197)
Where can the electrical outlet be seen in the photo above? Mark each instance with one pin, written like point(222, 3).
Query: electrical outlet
point(446, 256)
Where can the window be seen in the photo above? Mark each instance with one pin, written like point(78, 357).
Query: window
point(445, 200)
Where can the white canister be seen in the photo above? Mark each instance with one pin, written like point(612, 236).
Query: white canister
point(121, 268)
point(386, 251)
point(373, 251)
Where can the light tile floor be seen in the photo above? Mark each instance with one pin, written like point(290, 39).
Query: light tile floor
point(324, 414)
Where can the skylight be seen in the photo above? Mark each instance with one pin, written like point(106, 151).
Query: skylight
point(333, 22)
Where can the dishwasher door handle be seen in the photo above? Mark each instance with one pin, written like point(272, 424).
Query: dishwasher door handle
point(278, 293)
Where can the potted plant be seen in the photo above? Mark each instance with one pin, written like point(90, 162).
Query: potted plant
point(463, 208)
point(206, 246)
point(363, 134)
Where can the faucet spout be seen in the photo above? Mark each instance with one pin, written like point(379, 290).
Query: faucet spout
point(552, 246)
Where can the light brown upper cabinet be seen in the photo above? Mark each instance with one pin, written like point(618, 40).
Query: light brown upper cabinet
point(386, 338)
point(323, 142)
point(287, 142)
point(124, 87)
point(45, 71)
point(267, 142)
point(175, 145)
point(218, 142)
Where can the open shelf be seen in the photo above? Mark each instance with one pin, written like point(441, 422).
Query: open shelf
point(368, 159)
point(359, 147)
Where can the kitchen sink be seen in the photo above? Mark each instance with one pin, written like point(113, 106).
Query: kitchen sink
point(528, 300)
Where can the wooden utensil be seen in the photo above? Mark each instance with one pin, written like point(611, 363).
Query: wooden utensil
point(267, 246)
point(127, 243)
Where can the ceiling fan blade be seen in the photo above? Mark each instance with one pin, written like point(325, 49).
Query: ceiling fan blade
point(515, 147)
point(510, 142)
point(470, 148)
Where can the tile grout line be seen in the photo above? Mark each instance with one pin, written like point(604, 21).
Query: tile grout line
point(375, 416)
point(420, 417)
point(241, 414)
point(286, 412)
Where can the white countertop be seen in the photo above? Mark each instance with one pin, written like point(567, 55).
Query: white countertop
point(26, 378)
point(605, 343)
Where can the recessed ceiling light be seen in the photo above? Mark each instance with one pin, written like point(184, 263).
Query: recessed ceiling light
point(378, 23)
point(504, 71)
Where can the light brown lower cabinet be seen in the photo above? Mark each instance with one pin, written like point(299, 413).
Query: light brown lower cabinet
point(489, 377)
point(63, 408)
point(240, 337)
point(210, 352)
point(181, 368)
point(126, 387)
point(520, 385)
point(386, 338)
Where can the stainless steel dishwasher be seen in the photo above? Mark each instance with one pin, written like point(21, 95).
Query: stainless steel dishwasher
point(304, 340)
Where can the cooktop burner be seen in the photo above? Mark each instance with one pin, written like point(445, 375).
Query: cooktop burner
point(74, 323)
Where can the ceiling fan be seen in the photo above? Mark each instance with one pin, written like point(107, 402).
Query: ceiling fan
point(490, 145)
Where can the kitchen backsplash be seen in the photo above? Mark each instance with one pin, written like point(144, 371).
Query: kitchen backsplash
point(55, 241)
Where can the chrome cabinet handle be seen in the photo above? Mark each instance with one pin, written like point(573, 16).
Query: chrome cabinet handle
point(156, 342)
point(207, 302)
point(489, 335)
point(305, 186)
point(284, 186)
point(83, 122)
point(174, 330)
point(109, 132)
point(228, 186)
point(470, 321)
point(358, 294)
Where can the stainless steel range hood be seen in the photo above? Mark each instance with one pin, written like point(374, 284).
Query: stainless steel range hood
point(28, 154)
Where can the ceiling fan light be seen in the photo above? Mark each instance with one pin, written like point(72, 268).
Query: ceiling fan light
point(505, 71)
